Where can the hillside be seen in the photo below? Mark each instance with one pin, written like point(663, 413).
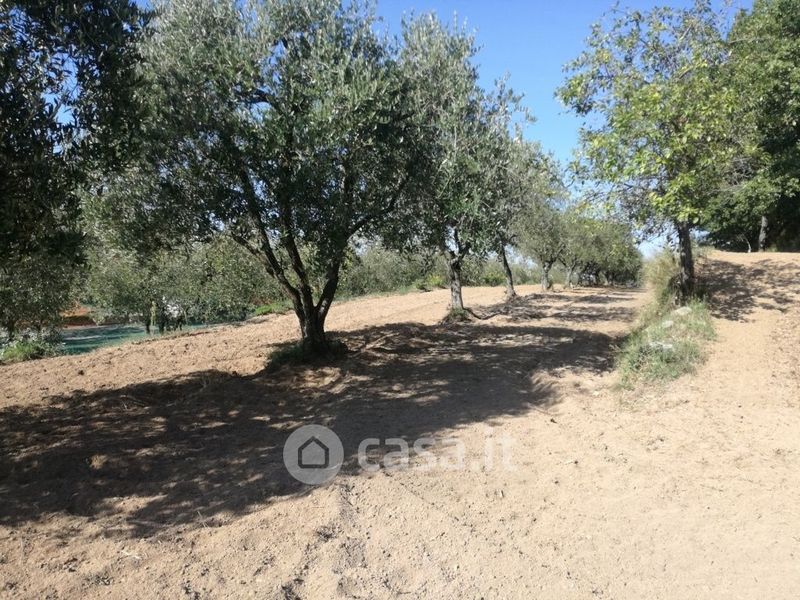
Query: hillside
point(155, 469)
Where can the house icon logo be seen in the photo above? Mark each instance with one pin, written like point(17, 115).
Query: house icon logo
point(313, 454)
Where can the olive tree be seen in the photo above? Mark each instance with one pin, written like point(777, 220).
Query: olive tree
point(474, 168)
point(286, 124)
point(541, 235)
point(67, 73)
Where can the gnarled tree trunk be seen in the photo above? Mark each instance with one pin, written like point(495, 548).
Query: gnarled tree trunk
point(312, 332)
point(546, 283)
point(454, 264)
point(686, 275)
point(510, 291)
point(570, 272)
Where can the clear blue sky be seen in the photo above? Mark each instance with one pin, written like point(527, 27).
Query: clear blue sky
point(531, 40)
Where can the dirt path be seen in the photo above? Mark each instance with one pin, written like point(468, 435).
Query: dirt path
point(155, 469)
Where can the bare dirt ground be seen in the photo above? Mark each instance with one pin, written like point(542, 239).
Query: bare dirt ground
point(155, 469)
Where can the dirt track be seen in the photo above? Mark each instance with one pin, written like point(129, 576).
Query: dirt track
point(155, 469)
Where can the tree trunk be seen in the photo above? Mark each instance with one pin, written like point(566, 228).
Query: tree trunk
point(11, 330)
point(762, 234)
point(686, 277)
point(312, 331)
point(454, 271)
point(510, 291)
point(570, 271)
point(546, 278)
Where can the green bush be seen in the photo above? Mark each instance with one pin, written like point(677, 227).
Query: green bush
point(493, 274)
point(375, 270)
point(28, 350)
point(214, 281)
point(280, 307)
point(432, 281)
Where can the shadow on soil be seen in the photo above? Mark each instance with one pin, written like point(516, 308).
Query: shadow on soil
point(737, 290)
point(196, 450)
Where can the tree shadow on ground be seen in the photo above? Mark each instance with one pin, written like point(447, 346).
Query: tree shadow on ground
point(583, 308)
point(737, 290)
point(198, 450)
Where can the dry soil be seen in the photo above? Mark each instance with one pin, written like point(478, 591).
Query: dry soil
point(154, 469)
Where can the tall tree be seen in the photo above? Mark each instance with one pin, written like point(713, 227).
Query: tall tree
point(764, 71)
point(451, 105)
point(65, 110)
point(525, 176)
point(658, 129)
point(66, 72)
point(473, 162)
point(286, 123)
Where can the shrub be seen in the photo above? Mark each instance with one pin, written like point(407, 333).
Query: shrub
point(375, 270)
point(493, 274)
point(279, 307)
point(432, 281)
point(30, 347)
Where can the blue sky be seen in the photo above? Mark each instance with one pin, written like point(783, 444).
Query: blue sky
point(531, 40)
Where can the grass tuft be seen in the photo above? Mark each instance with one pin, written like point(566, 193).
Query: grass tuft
point(669, 341)
point(666, 345)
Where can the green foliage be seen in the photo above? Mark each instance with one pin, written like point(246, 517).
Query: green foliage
point(213, 281)
point(492, 274)
point(591, 249)
point(374, 270)
point(65, 110)
point(664, 121)
point(764, 177)
point(478, 175)
point(273, 308)
point(34, 290)
point(661, 121)
point(430, 282)
point(22, 350)
point(666, 345)
point(541, 233)
point(287, 124)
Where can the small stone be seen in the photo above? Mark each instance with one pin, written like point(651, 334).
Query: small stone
point(661, 346)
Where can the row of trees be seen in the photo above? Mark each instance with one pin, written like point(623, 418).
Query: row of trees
point(591, 249)
point(207, 282)
point(294, 128)
point(693, 122)
point(300, 131)
point(297, 128)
